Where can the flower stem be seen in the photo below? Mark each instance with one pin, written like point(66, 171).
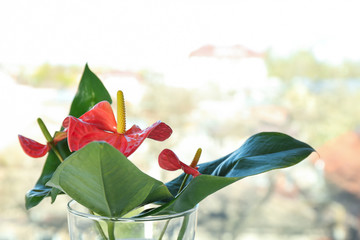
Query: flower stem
point(111, 230)
point(164, 229)
point(121, 117)
point(183, 183)
point(49, 138)
point(193, 165)
point(57, 153)
point(186, 218)
point(99, 227)
point(183, 227)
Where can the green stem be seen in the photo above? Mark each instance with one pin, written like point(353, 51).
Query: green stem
point(164, 229)
point(167, 222)
point(57, 153)
point(183, 227)
point(186, 218)
point(49, 138)
point(193, 165)
point(183, 183)
point(182, 186)
point(99, 228)
point(111, 230)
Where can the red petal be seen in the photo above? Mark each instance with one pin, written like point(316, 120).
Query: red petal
point(102, 116)
point(59, 136)
point(65, 123)
point(160, 131)
point(168, 160)
point(135, 136)
point(133, 129)
point(81, 133)
point(189, 170)
point(33, 148)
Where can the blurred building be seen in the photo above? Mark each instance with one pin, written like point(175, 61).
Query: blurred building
point(228, 67)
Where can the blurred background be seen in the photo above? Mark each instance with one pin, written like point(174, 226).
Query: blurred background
point(217, 72)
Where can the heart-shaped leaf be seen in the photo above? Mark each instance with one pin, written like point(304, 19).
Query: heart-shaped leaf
point(90, 91)
point(101, 178)
point(260, 153)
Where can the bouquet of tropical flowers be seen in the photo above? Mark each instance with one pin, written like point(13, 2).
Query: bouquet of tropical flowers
point(88, 159)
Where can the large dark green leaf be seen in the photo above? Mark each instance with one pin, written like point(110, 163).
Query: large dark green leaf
point(90, 91)
point(101, 178)
point(40, 191)
point(260, 153)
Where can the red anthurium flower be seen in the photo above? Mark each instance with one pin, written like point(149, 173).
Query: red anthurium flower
point(35, 149)
point(169, 161)
point(99, 124)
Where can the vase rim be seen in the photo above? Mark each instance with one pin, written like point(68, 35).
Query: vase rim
point(130, 219)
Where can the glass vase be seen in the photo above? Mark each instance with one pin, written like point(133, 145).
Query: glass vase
point(86, 226)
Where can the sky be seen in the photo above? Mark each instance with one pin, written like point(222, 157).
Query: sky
point(158, 34)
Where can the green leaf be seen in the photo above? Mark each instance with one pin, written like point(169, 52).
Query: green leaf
point(40, 191)
point(91, 91)
point(101, 178)
point(260, 153)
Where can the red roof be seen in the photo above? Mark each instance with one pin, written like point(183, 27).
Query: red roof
point(342, 162)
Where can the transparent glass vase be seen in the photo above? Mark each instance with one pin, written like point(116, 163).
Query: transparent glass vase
point(85, 226)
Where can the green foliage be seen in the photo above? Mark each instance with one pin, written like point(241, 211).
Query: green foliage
point(40, 191)
point(54, 76)
point(303, 64)
point(260, 153)
point(101, 178)
point(319, 97)
point(90, 91)
point(156, 102)
point(322, 116)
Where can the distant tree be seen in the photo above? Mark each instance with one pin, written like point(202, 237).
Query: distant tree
point(48, 75)
point(303, 64)
point(172, 104)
